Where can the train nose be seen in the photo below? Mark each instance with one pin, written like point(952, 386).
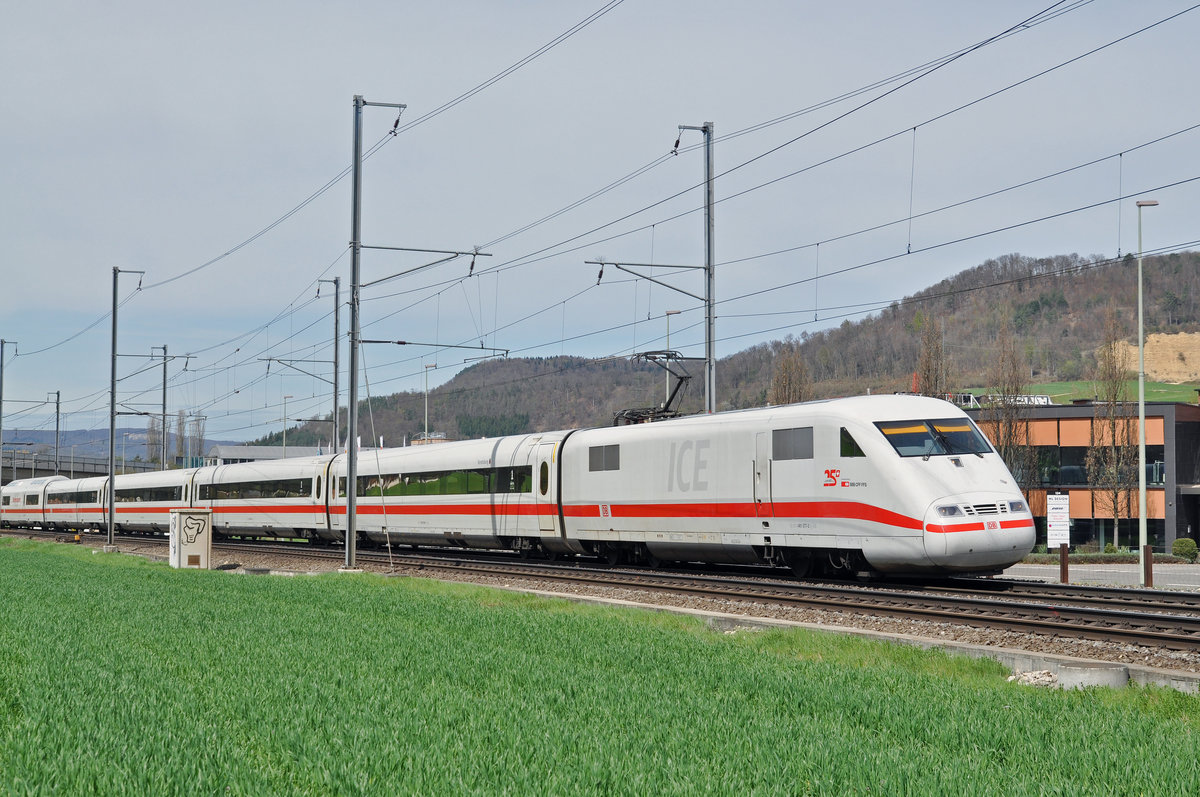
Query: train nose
point(978, 531)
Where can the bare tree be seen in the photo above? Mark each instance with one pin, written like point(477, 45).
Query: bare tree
point(931, 365)
point(153, 438)
point(197, 441)
point(1009, 419)
point(1111, 461)
point(180, 435)
point(790, 382)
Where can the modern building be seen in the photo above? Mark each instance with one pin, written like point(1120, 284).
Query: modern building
point(1063, 434)
point(227, 455)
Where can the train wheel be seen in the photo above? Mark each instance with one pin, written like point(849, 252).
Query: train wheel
point(650, 560)
point(613, 555)
point(800, 562)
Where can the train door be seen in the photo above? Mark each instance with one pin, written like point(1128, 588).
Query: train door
point(763, 506)
point(326, 485)
point(336, 497)
point(545, 489)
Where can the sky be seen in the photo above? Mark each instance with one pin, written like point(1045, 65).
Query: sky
point(208, 146)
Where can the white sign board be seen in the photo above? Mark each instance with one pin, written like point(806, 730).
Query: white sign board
point(1058, 520)
point(191, 538)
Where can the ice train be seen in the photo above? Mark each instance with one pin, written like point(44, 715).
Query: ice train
point(870, 484)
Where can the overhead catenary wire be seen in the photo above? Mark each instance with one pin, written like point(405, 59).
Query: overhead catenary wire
point(231, 355)
point(346, 171)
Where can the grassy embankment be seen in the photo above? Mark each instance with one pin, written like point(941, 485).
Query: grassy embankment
point(123, 677)
point(1066, 392)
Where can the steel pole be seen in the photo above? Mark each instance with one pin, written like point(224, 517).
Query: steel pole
point(710, 356)
point(285, 420)
point(337, 309)
point(3, 343)
point(163, 430)
point(57, 426)
point(352, 419)
point(667, 394)
point(1141, 409)
point(112, 414)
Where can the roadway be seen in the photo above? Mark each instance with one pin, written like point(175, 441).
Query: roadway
point(1170, 576)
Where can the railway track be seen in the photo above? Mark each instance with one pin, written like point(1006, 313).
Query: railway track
point(1150, 618)
point(1170, 627)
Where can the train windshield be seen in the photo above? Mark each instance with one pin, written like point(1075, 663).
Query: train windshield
point(934, 438)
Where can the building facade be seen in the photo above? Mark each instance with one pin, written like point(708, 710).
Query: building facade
point(1062, 435)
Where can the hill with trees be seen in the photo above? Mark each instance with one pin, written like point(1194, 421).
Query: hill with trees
point(946, 337)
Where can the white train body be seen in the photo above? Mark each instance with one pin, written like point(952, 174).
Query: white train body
point(274, 498)
point(892, 484)
point(783, 479)
point(474, 493)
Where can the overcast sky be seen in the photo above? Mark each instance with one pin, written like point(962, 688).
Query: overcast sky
point(157, 136)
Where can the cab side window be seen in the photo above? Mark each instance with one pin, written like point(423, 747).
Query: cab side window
point(850, 447)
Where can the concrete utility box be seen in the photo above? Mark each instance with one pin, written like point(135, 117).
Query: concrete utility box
point(191, 538)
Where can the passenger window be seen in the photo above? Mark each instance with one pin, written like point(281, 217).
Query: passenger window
point(544, 478)
point(604, 458)
point(850, 446)
point(792, 443)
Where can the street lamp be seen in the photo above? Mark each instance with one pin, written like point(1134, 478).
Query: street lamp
point(1144, 203)
point(668, 315)
point(427, 367)
point(285, 420)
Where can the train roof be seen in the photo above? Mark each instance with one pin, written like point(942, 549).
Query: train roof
point(16, 485)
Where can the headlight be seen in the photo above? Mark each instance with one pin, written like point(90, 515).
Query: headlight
point(1017, 506)
point(949, 511)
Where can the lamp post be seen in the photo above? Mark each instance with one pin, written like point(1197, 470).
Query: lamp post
point(1144, 203)
point(427, 367)
point(285, 420)
point(668, 315)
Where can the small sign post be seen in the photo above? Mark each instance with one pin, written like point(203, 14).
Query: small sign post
point(1058, 528)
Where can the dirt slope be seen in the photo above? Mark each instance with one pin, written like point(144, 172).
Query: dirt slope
point(1169, 358)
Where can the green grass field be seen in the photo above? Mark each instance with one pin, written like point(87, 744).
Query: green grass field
point(122, 677)
point(1066, 392)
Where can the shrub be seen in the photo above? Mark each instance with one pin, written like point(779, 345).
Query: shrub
point(1185, 548)
point(1110, 548)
